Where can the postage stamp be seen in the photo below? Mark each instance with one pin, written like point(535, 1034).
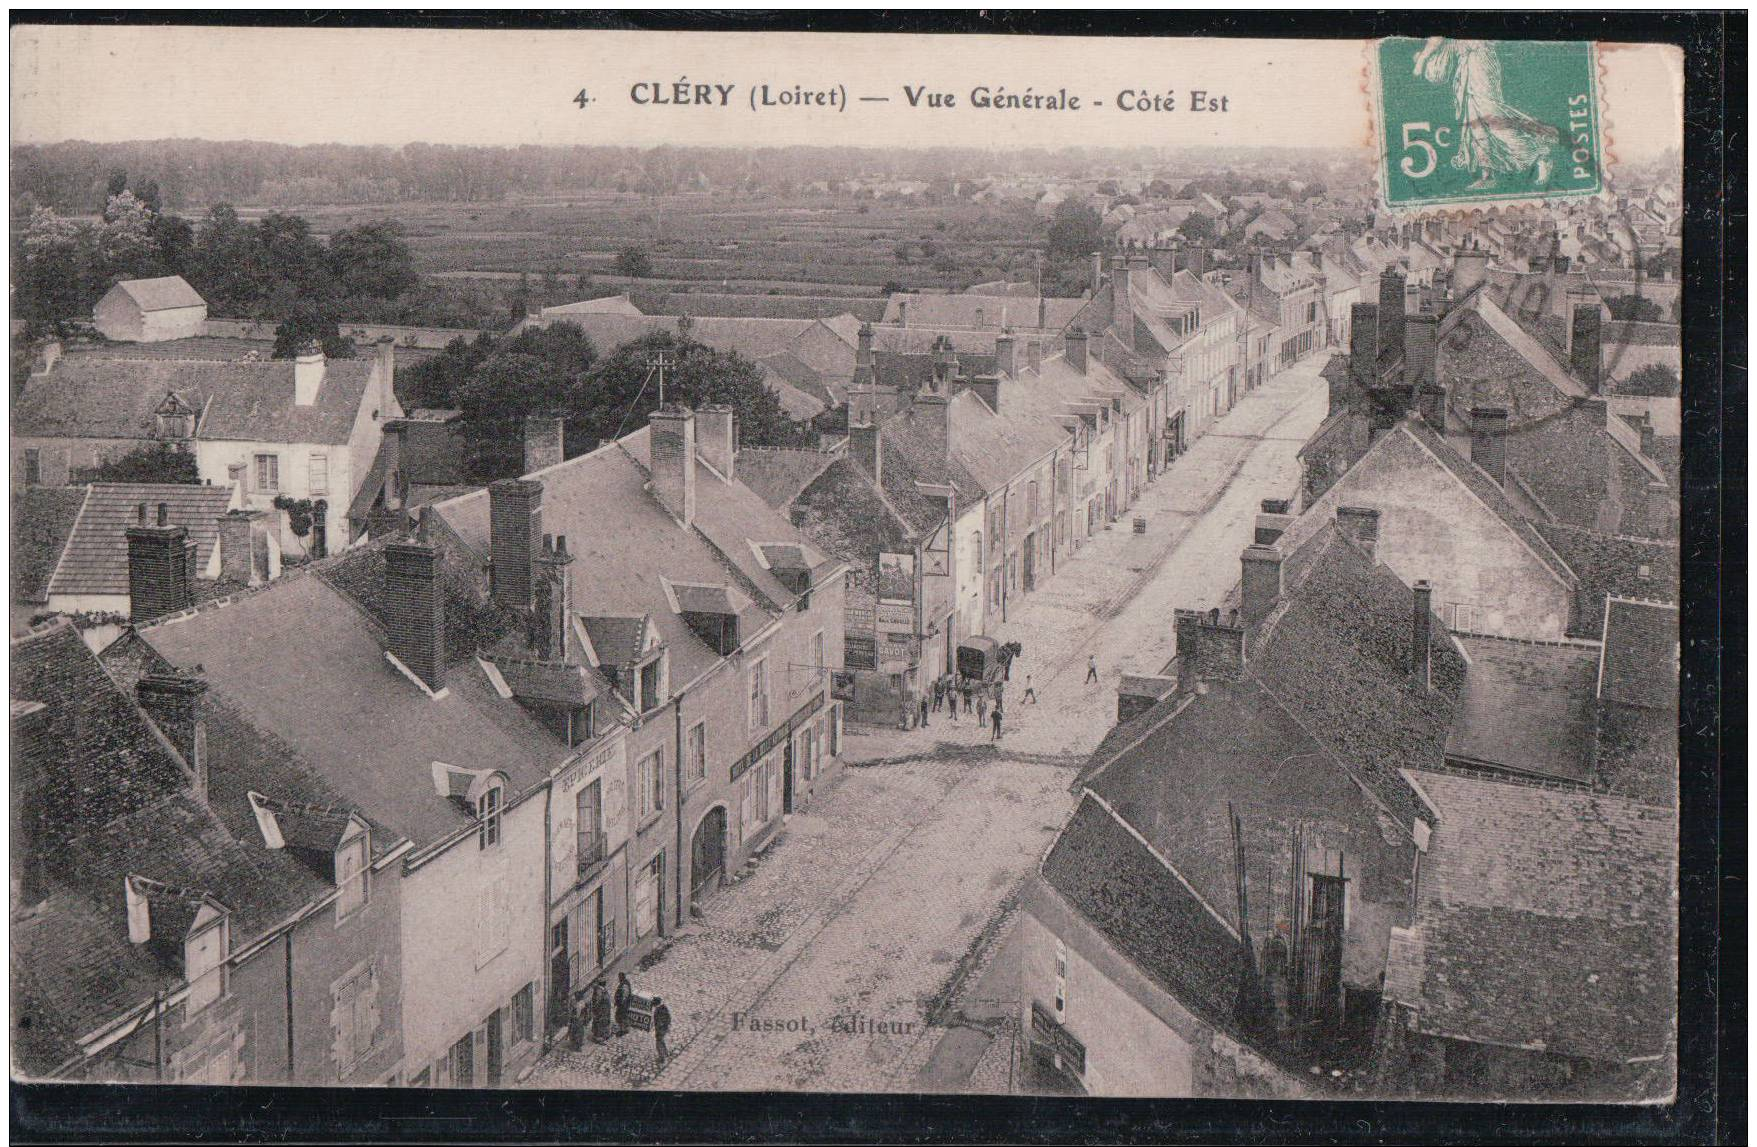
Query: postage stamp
point(1476, 121)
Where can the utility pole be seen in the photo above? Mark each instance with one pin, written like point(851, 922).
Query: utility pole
point(659, 362)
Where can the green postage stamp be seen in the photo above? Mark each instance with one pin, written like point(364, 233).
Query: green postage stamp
point(1476, 121)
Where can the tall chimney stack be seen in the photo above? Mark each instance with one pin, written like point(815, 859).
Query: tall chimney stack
point(1006, 358)
point(672, 452)
point(515, 530)
point(1422, 630)
point(1391, 307)
point(1586, 343)
point(1261, 583)
point(864, 372)
point(173, 701)
point(238, 564)
point(414, 606)
point(308, 371)
point(384, 369)
point(1360, 524)
point(716, 438)
point(1488, 441)
point(1188, 623)
point(1074, 348)
point(161, 566)
point(554, 593)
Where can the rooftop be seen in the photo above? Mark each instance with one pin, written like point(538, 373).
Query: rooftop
point(166, 293)
point(1527, 707)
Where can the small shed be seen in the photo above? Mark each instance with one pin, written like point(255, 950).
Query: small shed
point(150, 310)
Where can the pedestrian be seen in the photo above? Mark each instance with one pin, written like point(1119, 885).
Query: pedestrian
point(1091, 668)
point(952, 704)
point(969, 689)
point(1030, 693)
point(577, 1017)
point(939, 693)
point(997, 723)
point(624, 994)
point(923, 707)
point(981, 708)
point(661, 1029)
point(602, 1017)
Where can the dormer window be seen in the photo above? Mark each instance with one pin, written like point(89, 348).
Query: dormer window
point(351, 876)
point(204, 963)
point(488, 810)
point(651, 685)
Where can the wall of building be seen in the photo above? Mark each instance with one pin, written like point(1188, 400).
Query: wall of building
point(474, 933)
point(214, 459)
point(1431, 526)
point(326, 951)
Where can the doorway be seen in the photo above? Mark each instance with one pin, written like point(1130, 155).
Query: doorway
point(560, 977)
point(494, 1059)
point(787, 778)
point(708, 853)
point(320, 528)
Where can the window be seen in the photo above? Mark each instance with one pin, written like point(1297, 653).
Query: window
point(319, 475)
point(697, 749)
point(461, 1062)
point(817, 651)
point(1459, 616)
point(488, 814)
point(652, 685)
point(214, 1063)
point(204, 963)
point(493, 920)
point(268, 472)
point(759, 693)
point(590, 807)
point(976, 551)
point(646, 896)
point(836, 731)
point(650, 783)
point(524, 1014)
point(33, 467)
point(354, 1018)
point(802, 751)
point(351, 889)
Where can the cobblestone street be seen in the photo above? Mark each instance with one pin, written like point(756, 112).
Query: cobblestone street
point(866, 950)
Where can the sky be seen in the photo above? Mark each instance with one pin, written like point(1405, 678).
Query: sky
point(396, 86)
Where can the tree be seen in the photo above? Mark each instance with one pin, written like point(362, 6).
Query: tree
point(57, 262)
point(1198, 228)
point(1655, 380)
point(372, 260)
point(1634, 308)
point(634, 263)
point(310, 323)
point(1075, 231)
point(156, 462)
point(624, 392)
point(496, 382)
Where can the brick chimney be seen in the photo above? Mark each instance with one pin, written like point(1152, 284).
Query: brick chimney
point(864, 372)
point(1034, 356)
point(988, 388)
point(1420, 656)
point(1363, 344)
point(1187, 621)
point(865, 448)
point(1430, 400)
point(1261, 582)
point(1006, 354)
point(161, 566)
point(1122, 304)
point(1360, 525)
point(1074, 348)
point(1488, 441)
point(1420, 336)
point(1207, 649)
point(173, 701)
point(672, 452)
point(945, 366)
point(716, 438)
point(1586, 343)
point(1391, 285)
point(554, 593)
point(543, 441)
point(238, 531)
point(1470, 267)
point(1272, 522)
point(308, 371)
point(1097, 270)
point(515, 531)
point(414, 608)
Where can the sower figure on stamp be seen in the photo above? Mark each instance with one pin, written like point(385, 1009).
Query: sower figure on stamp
point(1494, 137)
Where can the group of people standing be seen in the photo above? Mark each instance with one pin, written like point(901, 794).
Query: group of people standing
point(985, 700)
point(606, 1015)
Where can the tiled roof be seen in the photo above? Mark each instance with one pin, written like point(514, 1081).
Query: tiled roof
point(91, 396)
point(1609, 565)
point(121, 806)
point(301, 646)
point(1337, 655)
point(616, 640)
point(1527, 706)
point(197, 347)
point(846, 516)
point(709, 599)
point(96, 558)
point(779, 475)
point(166, 293)
point(1546, 920)
point(726, 306)
point(1640, 654)
point(1149, 915)
point(961, 311)
point(42, 521)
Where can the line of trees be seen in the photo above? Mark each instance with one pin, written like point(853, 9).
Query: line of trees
point(497, 381)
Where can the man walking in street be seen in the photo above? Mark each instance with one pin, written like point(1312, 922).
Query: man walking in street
point(1030, 693)
point(661, 1029)
point(624, 993)
point(922, 704)
point(939, 692)
point(1092, 669)
point(981, 707)
point(997, 723)
point(952, 704)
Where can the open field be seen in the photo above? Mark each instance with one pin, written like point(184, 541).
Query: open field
point(756, 242)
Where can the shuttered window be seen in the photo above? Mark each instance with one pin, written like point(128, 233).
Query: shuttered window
point(354, 1018)
point(319, 475)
